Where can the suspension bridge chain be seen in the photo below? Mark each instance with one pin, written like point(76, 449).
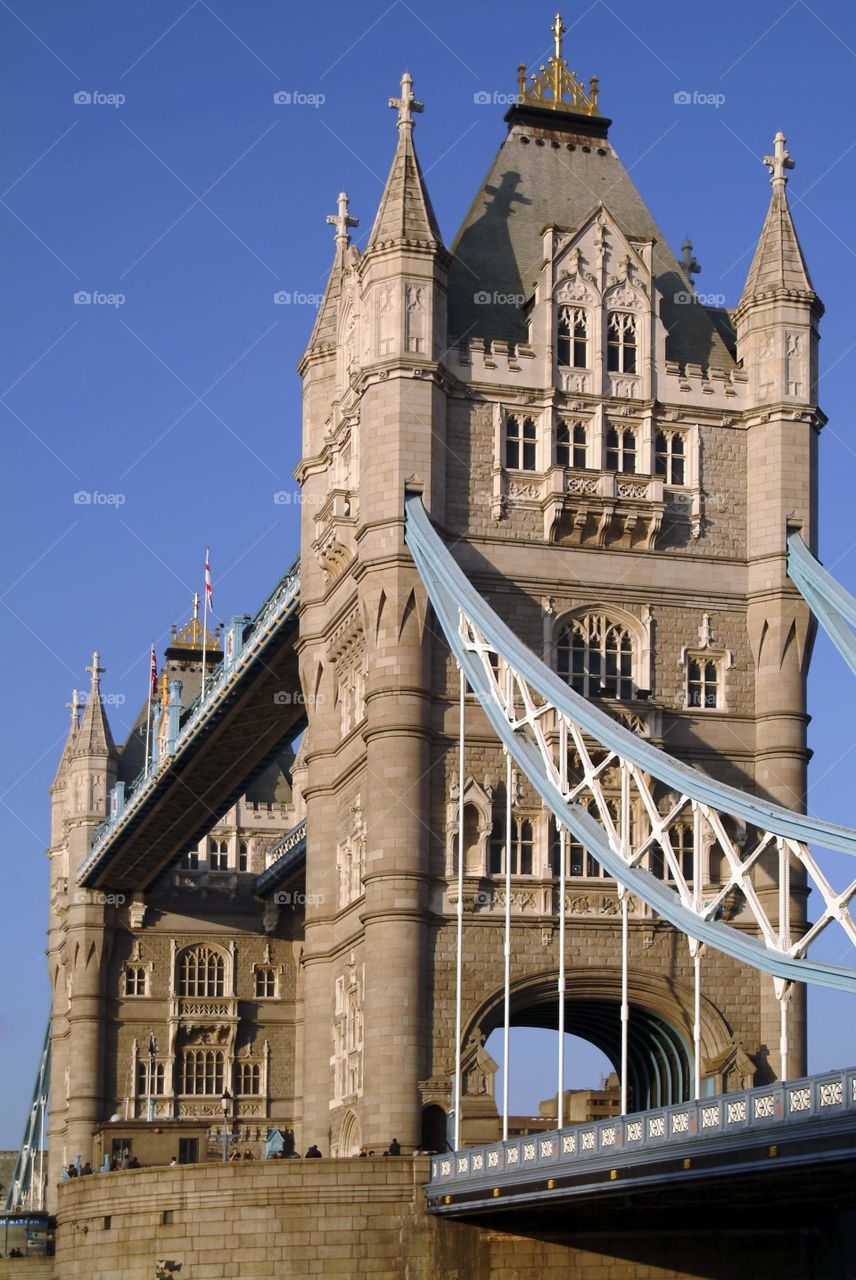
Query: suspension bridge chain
point(566, 747)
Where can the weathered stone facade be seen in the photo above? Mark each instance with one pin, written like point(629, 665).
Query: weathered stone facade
point(603, 453)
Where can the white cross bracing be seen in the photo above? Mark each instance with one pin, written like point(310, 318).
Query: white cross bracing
point(759, 863)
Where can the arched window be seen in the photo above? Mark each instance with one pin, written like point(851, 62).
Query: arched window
point(202, 972)
point(135, 980)
point(249, 1078)
point(571, 445)
point(522, 847)
point(202, 1071)
point(595, 656)
point(520, 443)
point(572, 338)
point(621, 342)
point(621, 450)
point(265, 982)
point(218, 855)
point(703, 683)
point(669, 457)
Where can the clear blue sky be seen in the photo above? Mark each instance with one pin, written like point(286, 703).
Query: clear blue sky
point(197, 198)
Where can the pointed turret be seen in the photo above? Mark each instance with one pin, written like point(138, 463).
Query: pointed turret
point(94, 737)
point(778, 262)
point(326, 327)
point(68, 749)
point(776, 319)
point(405, 213)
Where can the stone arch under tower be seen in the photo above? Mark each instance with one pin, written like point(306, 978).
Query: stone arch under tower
point(660, 1055)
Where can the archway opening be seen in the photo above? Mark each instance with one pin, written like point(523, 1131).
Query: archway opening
point(659, 1059)
point(435, 1133)
point(590, 1080)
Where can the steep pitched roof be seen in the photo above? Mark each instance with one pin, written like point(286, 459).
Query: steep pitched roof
point(778, 262)
point(405, 212)
point(68, 749)
point(548, 172)
point(94, 737)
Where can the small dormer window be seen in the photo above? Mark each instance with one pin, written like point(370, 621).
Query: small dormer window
point(572, 338)
point(572, 445)
point(621, 342)
point(520, 443)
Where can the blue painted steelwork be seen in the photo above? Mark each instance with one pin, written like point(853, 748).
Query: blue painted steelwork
point(455, 599)
point(279, 608)
point(833, 607)
point(777, 1110)
point(287, 857)
point(26, 1189)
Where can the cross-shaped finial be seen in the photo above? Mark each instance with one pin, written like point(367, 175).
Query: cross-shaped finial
point(778, 162)
point(342, 220)
point(406, 104)
point(558, 29)
point(688, 259)
point(74, 707)
point(95, 669)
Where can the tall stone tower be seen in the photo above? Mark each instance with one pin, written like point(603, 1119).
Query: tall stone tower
point(615, 466)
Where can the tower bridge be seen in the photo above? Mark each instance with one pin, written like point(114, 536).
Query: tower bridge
point(548, 703)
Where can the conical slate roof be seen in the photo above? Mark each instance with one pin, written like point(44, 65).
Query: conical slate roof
point(405, 212)
point(94, 737)
point(778, 262)
point(68, 749)
point(548, 172)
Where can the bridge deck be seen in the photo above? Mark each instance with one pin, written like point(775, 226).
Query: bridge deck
point(780, 1131)
point(252, 704)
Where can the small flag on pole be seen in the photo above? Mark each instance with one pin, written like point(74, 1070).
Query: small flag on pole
point(209, 592)
point(154, 672)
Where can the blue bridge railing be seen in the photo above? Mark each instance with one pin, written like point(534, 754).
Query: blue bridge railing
point(769, 1107)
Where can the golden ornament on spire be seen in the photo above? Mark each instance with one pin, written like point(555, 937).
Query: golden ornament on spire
point(556, 86)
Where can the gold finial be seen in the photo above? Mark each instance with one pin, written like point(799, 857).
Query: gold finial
point(556, 86)
point(342, 220)
point(163, 688)
point(189, 636)
point(779, 162)
point(406, 104)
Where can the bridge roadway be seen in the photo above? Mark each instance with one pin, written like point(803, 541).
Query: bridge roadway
point(252, 703)
point(790, 1143)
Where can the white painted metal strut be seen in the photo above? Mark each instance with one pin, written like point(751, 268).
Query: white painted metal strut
point(527, 718)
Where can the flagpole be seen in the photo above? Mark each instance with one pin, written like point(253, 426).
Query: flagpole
point(204, 622)
point(149, 710)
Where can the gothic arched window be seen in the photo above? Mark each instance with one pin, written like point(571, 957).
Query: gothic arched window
point(572, 338)
point(202, 972)
point(572, 445)
point(520, 444)
point(594, 654)
point(522, 847)
point(669, 456)
point(135, 980)
point(202, 1071)
point(621, 342)
point(704, 685)
point(265, 983)
point(249, 1078)
point(218, 855)
point(621, 450)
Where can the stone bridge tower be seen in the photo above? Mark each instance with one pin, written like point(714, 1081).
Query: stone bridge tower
point(614, 464)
